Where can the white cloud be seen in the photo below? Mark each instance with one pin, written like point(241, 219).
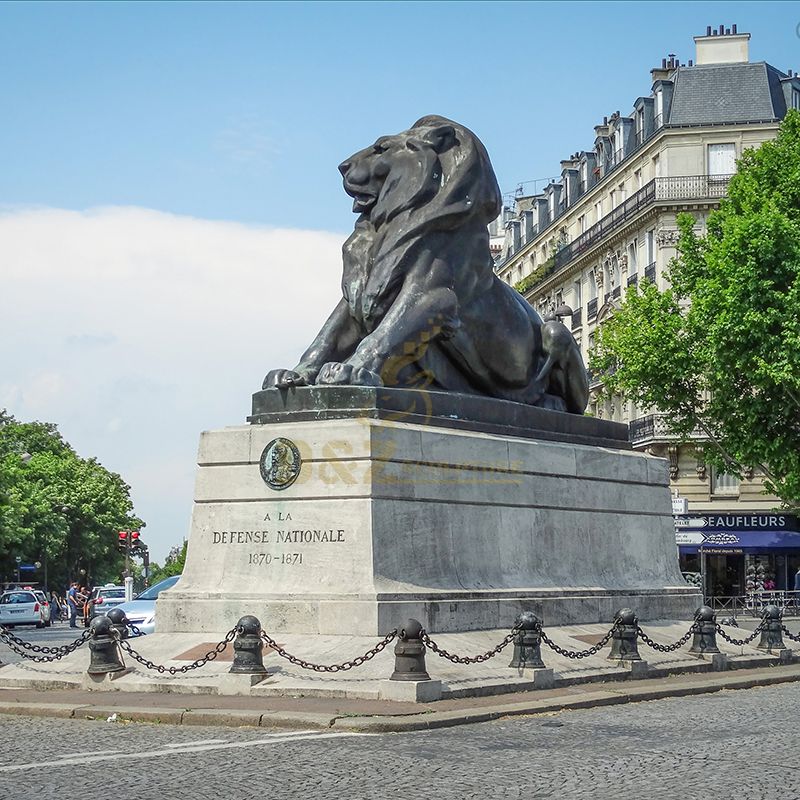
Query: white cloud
point(134, 330)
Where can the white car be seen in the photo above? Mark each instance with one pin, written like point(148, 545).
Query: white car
point(21, 607)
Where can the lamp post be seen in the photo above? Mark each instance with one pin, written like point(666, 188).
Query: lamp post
point(18, 559)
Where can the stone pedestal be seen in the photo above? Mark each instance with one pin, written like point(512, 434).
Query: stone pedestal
point(422, 513)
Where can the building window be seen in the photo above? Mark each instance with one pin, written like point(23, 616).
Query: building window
point(656, 166)
point(613, 197)
point(577, 296)
point(723, 482)
point(649, 247)
point(640, 126)
point(721, 159)
point(598, 210)
point(637, 179)
point(581, 223)
point(592, 285)
point(795, 99)
point(659, 120)
point(632, 258)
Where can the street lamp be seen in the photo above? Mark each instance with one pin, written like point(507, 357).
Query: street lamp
point(18, 559)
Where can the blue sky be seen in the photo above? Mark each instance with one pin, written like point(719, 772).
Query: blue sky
point(170, 208)
point(241, 111)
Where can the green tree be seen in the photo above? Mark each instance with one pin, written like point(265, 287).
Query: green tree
point(173, 564)
point(58, 508)
point(719, 349)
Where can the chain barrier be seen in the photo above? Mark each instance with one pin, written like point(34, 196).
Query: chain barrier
point(135, 631)
point(667, 648)
point(579, 653)
point(345, 665)
point(739, 642)
point(24, 649)
point(789, 634)
point(200, 662)
point(442, 653)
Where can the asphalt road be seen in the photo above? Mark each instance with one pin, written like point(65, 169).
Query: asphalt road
point(729, 745)
point(56, 635)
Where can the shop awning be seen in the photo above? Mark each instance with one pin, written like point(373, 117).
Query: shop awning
point(741, 541)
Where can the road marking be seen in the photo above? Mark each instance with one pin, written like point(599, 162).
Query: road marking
point(190, 748)
point(201, 741)
point(94, 753)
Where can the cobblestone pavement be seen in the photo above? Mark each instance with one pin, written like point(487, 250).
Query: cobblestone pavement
point(56, 635)
point(729, 745)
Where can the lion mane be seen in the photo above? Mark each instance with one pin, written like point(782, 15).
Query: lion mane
point(440, 181)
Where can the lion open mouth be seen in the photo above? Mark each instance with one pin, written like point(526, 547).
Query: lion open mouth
point(362, 202)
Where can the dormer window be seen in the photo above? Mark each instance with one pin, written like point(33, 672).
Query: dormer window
point(639, 126)
point(796, 99)
point(659, 120)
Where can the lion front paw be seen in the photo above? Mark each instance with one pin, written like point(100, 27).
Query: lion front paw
point(282, 379)
point(348, 375)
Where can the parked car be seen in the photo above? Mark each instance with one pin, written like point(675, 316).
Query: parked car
point(21, 607)
point(141, 611)
point(104, 598)
point(47, 612)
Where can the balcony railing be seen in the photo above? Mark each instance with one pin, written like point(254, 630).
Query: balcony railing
point(576, 319)
point(633, 280)
point(650, 272)
point(616, 291)
point(691, 187)
point(655, 428)
point(591, 309)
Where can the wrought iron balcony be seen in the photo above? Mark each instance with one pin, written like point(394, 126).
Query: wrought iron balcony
point(591, 309)
point(690, 187)
point(655, 428)
point(650, 273)
point(576, 319)
point(633, 279)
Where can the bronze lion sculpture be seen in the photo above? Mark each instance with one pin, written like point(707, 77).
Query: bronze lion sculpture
point(421, 305)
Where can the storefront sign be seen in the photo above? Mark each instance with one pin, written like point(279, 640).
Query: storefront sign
point(741, 522)
point(688, 537)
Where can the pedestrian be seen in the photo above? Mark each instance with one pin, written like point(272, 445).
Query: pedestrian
point(72, 602)
point(55, 608)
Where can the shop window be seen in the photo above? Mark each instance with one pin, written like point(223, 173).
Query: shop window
point(723, 482)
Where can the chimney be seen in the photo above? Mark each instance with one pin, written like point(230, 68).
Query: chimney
point(725, 46)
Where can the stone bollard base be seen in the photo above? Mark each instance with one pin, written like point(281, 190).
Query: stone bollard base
point(102, 682)
point(786, 655)
point(639, 669)
point(719, 661)
point(411, 691)
point(543, 678)
point(237, 683)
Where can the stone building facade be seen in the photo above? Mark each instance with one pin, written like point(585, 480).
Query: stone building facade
point(610, 222)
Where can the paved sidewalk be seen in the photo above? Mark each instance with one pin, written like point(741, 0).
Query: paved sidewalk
point(371, 715)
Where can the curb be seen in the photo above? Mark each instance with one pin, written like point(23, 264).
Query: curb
point(428, 718)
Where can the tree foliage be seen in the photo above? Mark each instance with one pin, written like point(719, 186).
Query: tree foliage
point(58, 508)
point(173, 564)
point(719, 349)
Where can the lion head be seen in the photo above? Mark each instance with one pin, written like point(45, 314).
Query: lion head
point(434, 178)
point(436, 164)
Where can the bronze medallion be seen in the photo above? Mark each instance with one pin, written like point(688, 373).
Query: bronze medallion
point(280, 463)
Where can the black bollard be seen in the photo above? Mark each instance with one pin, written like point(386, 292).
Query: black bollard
point(772, 630)
point(248, 648)
point(624, 639)
point(527, 642)
point(119, 622)
point(409, 654)
point(705, 634)
point(104, 647)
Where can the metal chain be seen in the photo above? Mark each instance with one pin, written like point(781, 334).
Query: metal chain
point(789, 634)
point(200, 662)
point(579, 653)
point(739, 642)
point(135, 631)
point(428, 642)
point(356, 662)
point(666, 648)
point(24, 649)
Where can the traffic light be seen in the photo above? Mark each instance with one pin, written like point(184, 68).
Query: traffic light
point(122, 541)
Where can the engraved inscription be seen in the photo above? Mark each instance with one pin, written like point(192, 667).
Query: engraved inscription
point(313, 538)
